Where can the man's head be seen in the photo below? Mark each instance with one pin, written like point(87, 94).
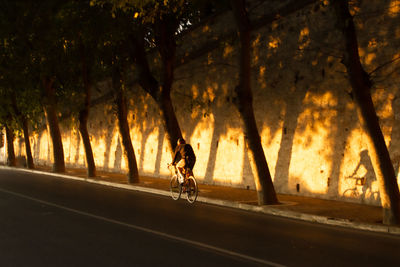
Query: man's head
point(181, 141)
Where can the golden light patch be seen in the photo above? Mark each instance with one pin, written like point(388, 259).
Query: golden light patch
point(304, 39)
point(369, 58)
point(195, 91)
point(256, 41)
point(229, 158)
point(227, 51)
point(262, 70)
point(274, 25)
point(353, 8)
point(305, 32)
point(150, 150)
point(201, 143)
point(274, 42)
point(372, 43)
point(210, 59)
point(361, 52)
point(261, 77)
point(311, 142)
point(314, 62)
point(394, 8)
point(210, 93)
point(355, 155)
point(396, 56)
point(271, 144)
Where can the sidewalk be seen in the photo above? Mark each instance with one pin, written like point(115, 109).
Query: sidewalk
point(330, 212)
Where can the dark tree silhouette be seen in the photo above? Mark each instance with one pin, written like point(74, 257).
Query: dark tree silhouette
point(244, 102)
point(361, 85)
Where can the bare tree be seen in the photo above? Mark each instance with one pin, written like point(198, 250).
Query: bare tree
point(244, 102)
point(361, 90)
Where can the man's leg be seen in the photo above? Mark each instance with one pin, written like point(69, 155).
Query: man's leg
point(190, 166)
point(181, 167)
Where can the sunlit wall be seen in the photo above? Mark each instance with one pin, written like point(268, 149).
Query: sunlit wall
point(307, 120)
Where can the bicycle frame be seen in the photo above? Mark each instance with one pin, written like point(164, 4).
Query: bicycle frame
point(186, 182)
point(179, 173)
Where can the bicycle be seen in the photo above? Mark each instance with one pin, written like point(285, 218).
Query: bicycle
point(180, 183)
point(354, 192)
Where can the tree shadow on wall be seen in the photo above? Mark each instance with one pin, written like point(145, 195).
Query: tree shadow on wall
point(204, 76)
point(315, 91)
point(293, 101)
point(141, 105)
point(118, 155)
point(108, 135)
point(273, 61)
point(78, 148)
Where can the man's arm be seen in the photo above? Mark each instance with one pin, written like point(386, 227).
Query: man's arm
point(175, 155)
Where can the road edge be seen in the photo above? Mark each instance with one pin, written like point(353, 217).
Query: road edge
point(231, 204)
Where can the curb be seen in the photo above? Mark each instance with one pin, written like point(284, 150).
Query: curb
point(231, 204)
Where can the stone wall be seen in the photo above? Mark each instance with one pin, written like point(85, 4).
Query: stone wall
point(307, 120)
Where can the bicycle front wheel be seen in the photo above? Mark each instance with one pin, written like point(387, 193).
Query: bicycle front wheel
point(175, 187)
point(191, 189)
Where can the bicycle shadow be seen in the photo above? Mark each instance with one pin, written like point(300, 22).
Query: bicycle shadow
point(364, 182)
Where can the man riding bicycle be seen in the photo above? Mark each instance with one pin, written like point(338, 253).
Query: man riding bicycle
point(184, 157)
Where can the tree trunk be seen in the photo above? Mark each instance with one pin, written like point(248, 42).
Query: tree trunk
point(24, 123)
point(10, 146)
point(122, 114)
point(1, 136)
point(50, 109)
point(165, 41)
point(83, 118)
point(361, 84)
point(28, 150)
point(265, 189)
point(84, 115)
point(170, 122)
point(160, 93)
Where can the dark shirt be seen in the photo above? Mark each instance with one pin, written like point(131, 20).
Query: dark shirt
point(183, 151)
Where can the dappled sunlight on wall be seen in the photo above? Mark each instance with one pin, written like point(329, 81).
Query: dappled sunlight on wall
point(304, 38)
point(305, 113)
point(228, 51)
point(150, 151)
point(74, 152)
point(101, 145)
point(166, 158)
point(229, 159)
point(19, 147)
point(398, 178)
point(255, 47)
point(394, 8)
point(261, 77)
point(274, 42)
point(45, 147)
point(201, 143)
point(366, 57)
point(116, 151)
point(357, 178)
point(68, 145)
point(311, 164)
point(271, 143)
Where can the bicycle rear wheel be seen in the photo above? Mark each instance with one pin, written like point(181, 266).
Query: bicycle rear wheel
point(175, 187)
point(191, 189)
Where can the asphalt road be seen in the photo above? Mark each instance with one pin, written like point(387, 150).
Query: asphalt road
point(49, 221)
